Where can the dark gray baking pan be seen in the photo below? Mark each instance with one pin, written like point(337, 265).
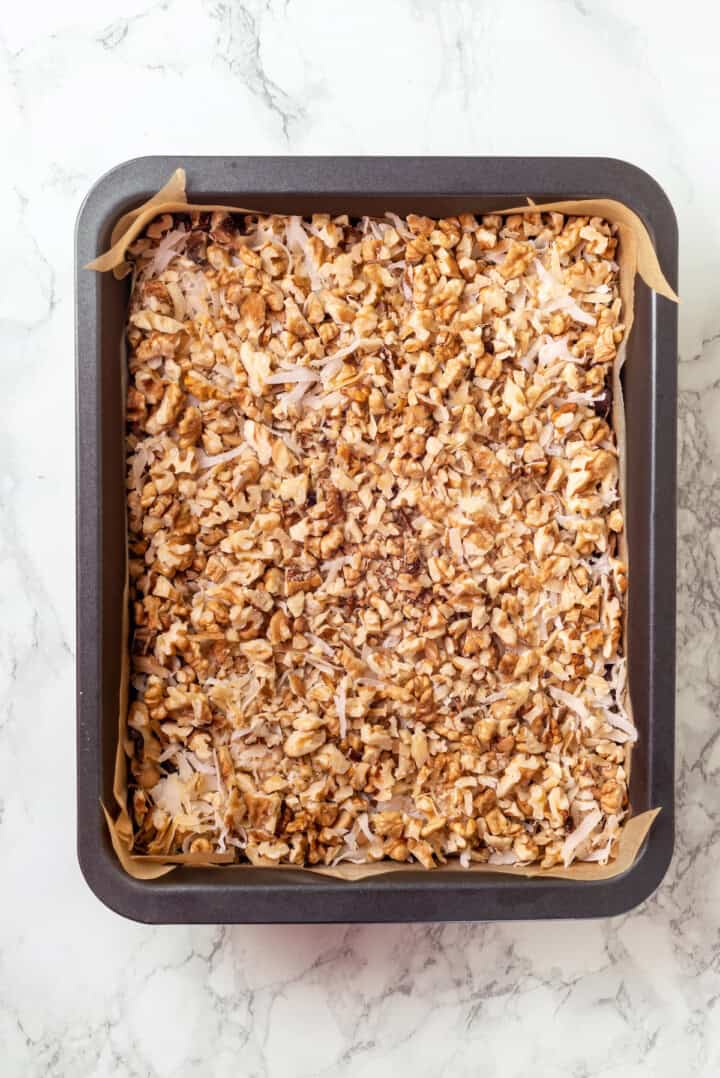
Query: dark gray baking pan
point(435, 186)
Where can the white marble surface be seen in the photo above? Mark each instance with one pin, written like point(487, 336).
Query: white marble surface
point(84, 85)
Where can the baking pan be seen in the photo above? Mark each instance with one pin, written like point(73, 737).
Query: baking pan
point(439, 186)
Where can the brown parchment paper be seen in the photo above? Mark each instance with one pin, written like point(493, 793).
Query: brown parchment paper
point(636, 255)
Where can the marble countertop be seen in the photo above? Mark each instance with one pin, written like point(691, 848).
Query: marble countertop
point(84, 993)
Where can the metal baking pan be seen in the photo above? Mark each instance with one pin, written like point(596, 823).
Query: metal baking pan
point(438, 186)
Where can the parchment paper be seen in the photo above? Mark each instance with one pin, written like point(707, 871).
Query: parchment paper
point(636, 255)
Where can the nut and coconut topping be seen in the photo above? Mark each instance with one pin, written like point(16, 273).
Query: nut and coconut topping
point(373, 530)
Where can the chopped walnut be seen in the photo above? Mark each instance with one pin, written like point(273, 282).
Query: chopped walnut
point(377, 595)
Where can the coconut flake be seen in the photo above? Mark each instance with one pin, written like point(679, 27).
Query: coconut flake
point(221, 784)
point(574, 703)
point(297, 238)
point(298, 373)
point(621, 722)
point(320, 664)
point(169, 246)
point(602, 854)
point(205, 461)
point(579, 835)
point(293, 397)
point(170, 794)
point(355, 343)
point(554, 295)
point(330, 369)
point(339, 700)
point(400, 226)
point(533, 351)
point(198, 764)
point(502, 857)
point(322, 644)
point(324, 400)
point(578, 314)
point(350, 854)
point(293, 445)
point(487, 780)
point(241, 732)
point(333, 567)
point(492, 697)
point(581, 398)
point(495, 257)
point(364, 825)
point(556, 348)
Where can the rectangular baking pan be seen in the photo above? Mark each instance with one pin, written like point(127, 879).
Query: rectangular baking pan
point(439, 186)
